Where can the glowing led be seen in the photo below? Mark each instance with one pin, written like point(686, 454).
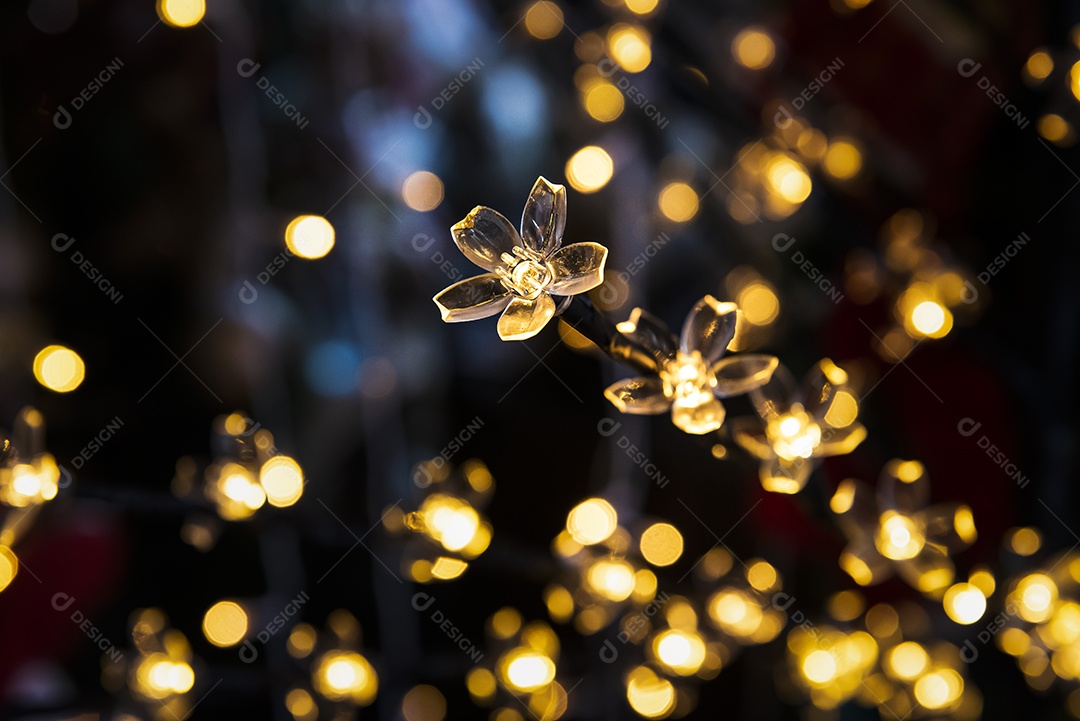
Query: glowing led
point(345, 675)
point(529, 671)
point(589, 169)
point(650, 695)
point(819, 667)
point(678, 202)
point(1036, 594)
point(788, 178)
point(758, 303)
point(181, 13)
point(939, 688)
point(661, 544)
point(641, 7)
point(9, 566)
point(423, 703)
point(629, 46)
point(225, 624)
point(794, 434)
point(842, 160)
point(753, 48)
point(604, 101)
point(614, 580)
point(283, 481)
point(544, 20)
point(592, 521)
point(423, 191)
point(59, 369)
point(899, 537)
point(309, 236)
point(680, 651)
point(964, 603)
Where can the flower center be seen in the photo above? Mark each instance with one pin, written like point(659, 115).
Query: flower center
point(794, 434)
point(687, 380)
point(526, 273)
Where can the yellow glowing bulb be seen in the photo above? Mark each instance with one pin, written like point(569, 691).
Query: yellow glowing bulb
point(641, 7)
point(1025, 541)
point(529, 671)
point(1074, 80)
point(589, 169)
point(1036, 594)
point(283, 481)
point(423, 703)
point(650, 695)
point(907, 660)
point(1054, 128)
point(661, 544)
point(842, 160)
point(345, 675)
point(939, 689)
point(758, 303)
point(931, 319)
point(422, 191)
point(225, 624)
point(181, 13)
point(629, 46)
point(761, 575)
point(788, 178)
point(544, 20)
point(964, 603)
point(445, 568)
point(592, 521)
point(678, 202)
point(604, 101)
point(899, 537)
point(819, 667)
point(59, 369)
point(301, 641)
point(309, 236)
point(301, 705)
point(481, 683)
point(614, 580)
point(682, 652)
point(9, 566)
point(753, 48)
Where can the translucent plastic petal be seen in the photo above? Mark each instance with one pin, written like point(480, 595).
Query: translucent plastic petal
point(578, 268)
point(472, 298)
point(484, 235)
point(749, 434)
point(840, 441)
point(782, 476)
point(774, 398)
point(864, 564)
point(949, 525)
point(644, 341)
point(709, 328)
point(903, 487)
point(638, 395)
point(699, 418)
point(525, 318)
point(743, 373)
point(931, 572)
point(544, 218)
point(820, 385)
point(855, 507)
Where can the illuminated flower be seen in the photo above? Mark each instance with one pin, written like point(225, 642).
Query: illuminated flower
point(525, 270)
point(800, 425)
point(897, 531)
point(691, 372)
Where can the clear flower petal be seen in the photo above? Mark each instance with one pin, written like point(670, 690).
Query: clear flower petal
point(638, 395)
point(578, 268)
point(709, 328)
point(743, 373)
point(903, 487)
point(544, 218)
point(644, 341)
point(525, 318)
point(931, 572)
point(472, 298)
point(699, 418)
point(840, 441)
point(484, 235)
point(782, 476)
point(949, 525)
point(856, 510)
point(864, 564)
point(749, 434)
point(774, 398)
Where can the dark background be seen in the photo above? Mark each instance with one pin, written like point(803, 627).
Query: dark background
point(178, 177)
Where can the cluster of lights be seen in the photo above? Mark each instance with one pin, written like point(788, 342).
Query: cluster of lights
point(525, 669)
point(447, 523)
point(161, 674)
point(342, 678)
point(799, 427)
point(1039, 71)
point(898, 531)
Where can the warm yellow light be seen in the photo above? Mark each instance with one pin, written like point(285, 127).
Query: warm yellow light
point(9, 566)
point(481, 684)
point(733, 611)
point(446, 569)
point(529, 671)
point(931, 319)
point(309, 236)
point(843, 410)
point(983, 580)
point(614, 580)
point(899, 537)
point(505, 622)
point(794, 434)
point(678, 202)
point(59, 369)
point(753, 48)
point(283, 481)
point(239, 487)
point(682, 652)
point(560, 603)
point(650, 695)
point(423, 703)
point(661, 544)
point(422, 191)
point(964, 603)
point(544, 20)
point(762, 576)
point(164, 677)
point(589, 169)
point(604, 101)
point(1025, 541)
point(592, 521)
point(819, 667)
point(641, 7)
point(1036, 595)
point(857, 4)
point(181, 13)
point(345, 676)
point(1014, 641)
point(301, 641)
point(788, 178)
point(301, 705)
point(1074, 80)
point(1054, 128)
point(450, 521)
point(907, 660)
point(939, 689)
point(758, 303)
point(629, 46)
point(225, 624)
point(842, 160)
point(846, 605)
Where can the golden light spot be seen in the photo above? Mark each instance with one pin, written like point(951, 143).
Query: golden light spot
point(939, 689)
point(423, 703)
point(882, 620)
point(1014, 641)
point(908, 471)
point(899, 537)
point(301, 641)
point(641, 7)
point(225, 624)
point(661, 544)
point(842, 160)
point(544, 20)
point(678, 202)
point(301, 705)
point(931, 319)
point(423, 191)
point(682, 652)
point(788, 178)
point(1055, 128)
point(844, 497)
point(59, 369)
point(857, 4)
point(528, 670)
point(604, 101)
point(560, 603)
point(650, 695)
point(812, 143)
point(345, 676)
point(982, 579)
point(1039, 65)
point(309, 236)
point(481, 684)
point(9, 567)
point(1036, 595)
point(644, 585)
point(613, 580)
point(907, 660)
point(449, 520)
point(592, 521)
point(1025, 541)
point(505, 622)
point(843, 410)
point(758, 303)
point(964, 603)
point(753, 48)
point(762, 576)
point(283, 481)
point(629, 46)
point(819, 667)
point(1074, 80)
point(589, 169)
point(181, 13)
point(846, 605)
point(445, 568)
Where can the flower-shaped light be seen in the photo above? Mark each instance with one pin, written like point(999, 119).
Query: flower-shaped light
point(801, 425)
point(897, 531)
point(524, 269)
point(691, 372)
point(161, 673)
